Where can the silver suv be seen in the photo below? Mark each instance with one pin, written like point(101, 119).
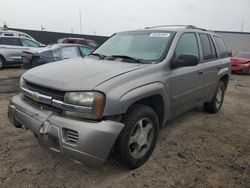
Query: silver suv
point(119, 97)
point(12, 47)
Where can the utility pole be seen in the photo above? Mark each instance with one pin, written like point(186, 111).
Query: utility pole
point(242, 26)
point(80, 17)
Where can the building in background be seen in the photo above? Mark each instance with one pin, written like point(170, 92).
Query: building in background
point(236, 41)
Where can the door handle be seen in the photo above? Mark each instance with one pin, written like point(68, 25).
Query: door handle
point(219, 68)
point(200, 73)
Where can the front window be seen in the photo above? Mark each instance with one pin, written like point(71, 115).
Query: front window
point(144, 46)
point(85, 51)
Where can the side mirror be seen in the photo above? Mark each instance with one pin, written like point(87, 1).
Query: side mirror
point(185, 60)
point(230, 54)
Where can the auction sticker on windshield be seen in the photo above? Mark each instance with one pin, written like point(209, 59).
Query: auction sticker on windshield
point(159, 35)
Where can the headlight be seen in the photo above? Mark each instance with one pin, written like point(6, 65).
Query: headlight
point(95, 100)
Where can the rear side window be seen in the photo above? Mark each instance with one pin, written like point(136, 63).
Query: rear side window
point(222, 50)
point(206, 48)
point(10, 41)
point(187, 45)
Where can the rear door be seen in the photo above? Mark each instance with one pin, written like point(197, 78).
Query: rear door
point(187, 83)
point(212, 64)
point(11, 48)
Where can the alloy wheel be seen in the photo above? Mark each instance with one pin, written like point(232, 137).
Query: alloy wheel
point(141, 138)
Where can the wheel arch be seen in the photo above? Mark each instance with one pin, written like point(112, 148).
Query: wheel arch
point(225, 79)
point(155, 102)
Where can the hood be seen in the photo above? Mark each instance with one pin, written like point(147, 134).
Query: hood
point(238, 60)
point(78, 74)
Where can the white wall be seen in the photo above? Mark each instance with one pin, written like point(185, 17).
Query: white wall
point(236, 41)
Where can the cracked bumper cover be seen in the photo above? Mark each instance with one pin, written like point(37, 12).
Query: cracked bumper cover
point(95, 139)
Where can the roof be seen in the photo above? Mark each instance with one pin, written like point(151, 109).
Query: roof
point(176, 28)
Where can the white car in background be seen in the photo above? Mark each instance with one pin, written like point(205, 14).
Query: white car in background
point(12, 47)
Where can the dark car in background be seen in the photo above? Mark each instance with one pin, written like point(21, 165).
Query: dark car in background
point(240, 63)
point(53, 53)
point(83, 41)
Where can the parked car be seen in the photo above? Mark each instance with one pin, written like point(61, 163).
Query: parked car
point(54, 53)
point(83, 41)
point(7, 32)
point(11, 49)
point(241, 62)
point(121, 95)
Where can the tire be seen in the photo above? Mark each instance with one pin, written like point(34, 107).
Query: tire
point(215, 105)
point(2, 62)
point(138, 138)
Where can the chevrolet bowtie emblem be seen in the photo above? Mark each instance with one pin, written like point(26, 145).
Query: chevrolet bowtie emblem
point(35, 96)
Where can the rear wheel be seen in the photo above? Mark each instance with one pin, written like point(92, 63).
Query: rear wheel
point(215, 105)
point(2, 62)
point(137, 140)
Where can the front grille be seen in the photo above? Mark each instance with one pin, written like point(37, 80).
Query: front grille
point(55, 94)
point(42, 106)
point(71, 136)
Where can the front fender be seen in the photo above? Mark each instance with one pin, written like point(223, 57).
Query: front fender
point(130, 97)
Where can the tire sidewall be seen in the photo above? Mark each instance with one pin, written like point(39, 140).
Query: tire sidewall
point(222, 86)
point(2, 60)
point(130, 121)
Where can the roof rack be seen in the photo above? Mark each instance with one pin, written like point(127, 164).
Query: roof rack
point(183, 26)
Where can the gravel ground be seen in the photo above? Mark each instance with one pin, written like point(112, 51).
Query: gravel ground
point(194, 150)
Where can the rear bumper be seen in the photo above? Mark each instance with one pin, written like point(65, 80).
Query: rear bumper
point(88, 142)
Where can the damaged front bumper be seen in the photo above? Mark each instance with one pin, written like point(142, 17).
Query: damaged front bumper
point(88, 142)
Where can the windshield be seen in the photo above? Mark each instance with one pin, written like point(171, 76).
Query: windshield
point(147, 46)
point(243, 55)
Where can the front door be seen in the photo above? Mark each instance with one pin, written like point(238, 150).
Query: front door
point(187, 83)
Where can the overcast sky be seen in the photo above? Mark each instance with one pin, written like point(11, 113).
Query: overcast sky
point(105, 17)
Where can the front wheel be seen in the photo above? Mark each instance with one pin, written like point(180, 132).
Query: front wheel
point(137, 140)
point(215, 105)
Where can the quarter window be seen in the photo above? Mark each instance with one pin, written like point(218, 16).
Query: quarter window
point(187, 45)
point(222, 50)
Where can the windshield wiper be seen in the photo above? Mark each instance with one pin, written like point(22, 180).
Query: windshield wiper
point(99, 55)
point(127, 57)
